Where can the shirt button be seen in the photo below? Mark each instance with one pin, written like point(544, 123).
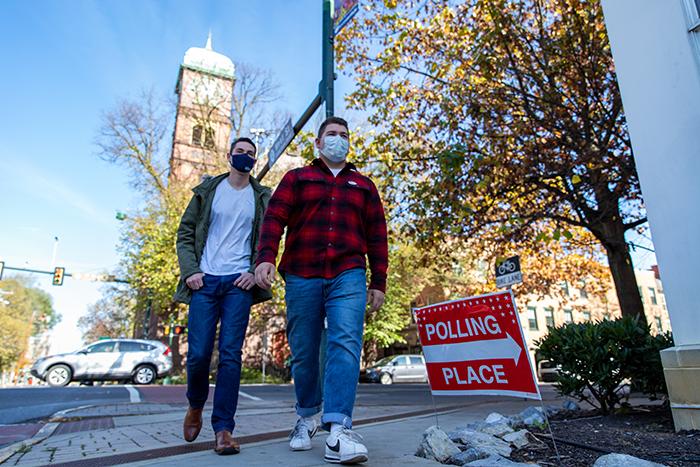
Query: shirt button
point(333, 197)
point(332, 213)
point(330, 244)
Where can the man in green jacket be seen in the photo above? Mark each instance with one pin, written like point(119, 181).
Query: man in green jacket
point(217, 247)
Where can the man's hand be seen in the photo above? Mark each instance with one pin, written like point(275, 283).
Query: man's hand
point(245, 281)
point(195, 281)
point(375, 299)
point(265, 275)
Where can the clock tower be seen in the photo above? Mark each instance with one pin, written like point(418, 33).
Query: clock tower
point(202, 123)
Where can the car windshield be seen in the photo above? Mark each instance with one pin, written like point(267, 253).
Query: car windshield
point(384, 361)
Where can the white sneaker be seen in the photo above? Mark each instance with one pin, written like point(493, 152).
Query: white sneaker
point(345, 448)
point(300, 437)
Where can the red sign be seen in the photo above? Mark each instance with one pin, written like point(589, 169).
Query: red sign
point(475, 346)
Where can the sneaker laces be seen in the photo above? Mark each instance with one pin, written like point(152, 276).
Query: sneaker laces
point(299, 429)
point(354, 436)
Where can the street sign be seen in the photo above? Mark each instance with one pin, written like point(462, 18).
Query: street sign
point(475, 346)
point(344, 10)
point(508, 272)
point(283, 139)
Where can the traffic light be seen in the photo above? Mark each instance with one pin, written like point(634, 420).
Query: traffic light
point(178, 329)
point(2, 268)
point(58, 276)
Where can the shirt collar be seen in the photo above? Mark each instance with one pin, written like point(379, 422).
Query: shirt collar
point(318, 162)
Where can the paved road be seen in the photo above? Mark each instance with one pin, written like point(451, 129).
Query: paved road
point(18, 405)
point(30, 404)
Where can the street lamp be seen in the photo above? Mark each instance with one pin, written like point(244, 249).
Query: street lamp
point(258, 134)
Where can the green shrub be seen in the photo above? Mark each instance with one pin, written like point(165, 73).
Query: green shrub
point(253, 376)
point(596, 360)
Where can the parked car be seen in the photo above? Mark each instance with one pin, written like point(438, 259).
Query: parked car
point(547, 371)
point(140, 361)
point(397, 369)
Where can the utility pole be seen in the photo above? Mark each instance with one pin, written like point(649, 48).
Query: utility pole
point(328, 57)
point(147, 317)
point(55, 251)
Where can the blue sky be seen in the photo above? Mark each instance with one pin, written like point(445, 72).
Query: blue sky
point(64, 63)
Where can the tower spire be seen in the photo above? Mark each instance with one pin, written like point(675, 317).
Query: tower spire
point(208, 46)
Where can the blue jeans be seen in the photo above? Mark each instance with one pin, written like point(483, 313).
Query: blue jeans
point(218, 300)
point(342, 300)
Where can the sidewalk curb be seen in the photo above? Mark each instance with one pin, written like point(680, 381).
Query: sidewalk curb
point(47, 430)
point(188, 448)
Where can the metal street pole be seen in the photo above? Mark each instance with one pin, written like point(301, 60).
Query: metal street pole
point(147, 317)
point(264, 351)
point(167, 379)
point(328, 57)
point(55, 251)
point(325, 87)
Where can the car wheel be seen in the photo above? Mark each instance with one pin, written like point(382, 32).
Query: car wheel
point(144, 374)
point(59, 375)
point(386, 378)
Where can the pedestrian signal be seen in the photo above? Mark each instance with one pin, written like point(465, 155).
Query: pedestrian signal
point(58, 276)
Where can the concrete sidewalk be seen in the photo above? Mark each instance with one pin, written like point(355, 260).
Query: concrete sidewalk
point(391, 443)
point(148, 432)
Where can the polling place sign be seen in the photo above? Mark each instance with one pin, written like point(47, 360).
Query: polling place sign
point(475, 346)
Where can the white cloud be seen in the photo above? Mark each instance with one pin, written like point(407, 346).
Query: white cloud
point(52, 189)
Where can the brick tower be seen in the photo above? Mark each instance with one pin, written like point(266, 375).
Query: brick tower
point(202, 123)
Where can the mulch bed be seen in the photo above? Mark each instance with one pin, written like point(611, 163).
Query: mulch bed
point(646, 432)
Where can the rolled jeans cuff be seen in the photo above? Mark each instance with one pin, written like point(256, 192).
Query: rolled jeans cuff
point(307, 412)
point(339, 418)
point(222, 426)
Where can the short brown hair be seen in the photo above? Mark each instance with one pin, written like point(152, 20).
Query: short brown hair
point(330, 120)
point(245, 140)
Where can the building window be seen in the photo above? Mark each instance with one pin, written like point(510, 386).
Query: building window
point(659, 327)
point(202, 138)
point(652, 293)
point(641, 294)
point(568, 316)
point(532, 318)
point(586, 315)
point(549, 316)
point(582, 292)
point(565, 288)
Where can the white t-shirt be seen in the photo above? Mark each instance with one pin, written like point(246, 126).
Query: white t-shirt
point(227, 249)
point(335, 172)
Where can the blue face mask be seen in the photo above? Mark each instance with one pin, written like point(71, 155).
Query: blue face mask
point(335, 148)
point(241, 162)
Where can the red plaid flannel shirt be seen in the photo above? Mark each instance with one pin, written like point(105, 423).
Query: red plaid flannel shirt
point(332, 223)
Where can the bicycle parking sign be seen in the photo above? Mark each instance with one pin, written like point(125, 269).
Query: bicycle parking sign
point(508, 272)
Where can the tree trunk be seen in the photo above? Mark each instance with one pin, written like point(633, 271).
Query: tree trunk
point(622, 271)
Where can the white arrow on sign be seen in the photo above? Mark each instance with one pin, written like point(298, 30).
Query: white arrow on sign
point(475, 350)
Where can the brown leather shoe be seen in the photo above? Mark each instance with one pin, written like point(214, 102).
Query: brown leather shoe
point(192, 424)
point(225, 444)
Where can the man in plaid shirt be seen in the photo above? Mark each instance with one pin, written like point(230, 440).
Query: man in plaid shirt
point(334, 218)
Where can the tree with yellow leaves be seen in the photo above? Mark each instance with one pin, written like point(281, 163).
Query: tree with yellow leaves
point(501, 121)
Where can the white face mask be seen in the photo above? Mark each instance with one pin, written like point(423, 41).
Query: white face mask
point(335, 148)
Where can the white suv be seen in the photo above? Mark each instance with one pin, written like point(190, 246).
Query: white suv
point(140, 361)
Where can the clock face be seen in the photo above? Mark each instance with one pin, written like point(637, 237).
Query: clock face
point(207, 90)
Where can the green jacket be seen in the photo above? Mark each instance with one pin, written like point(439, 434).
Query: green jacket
point(194, 228)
